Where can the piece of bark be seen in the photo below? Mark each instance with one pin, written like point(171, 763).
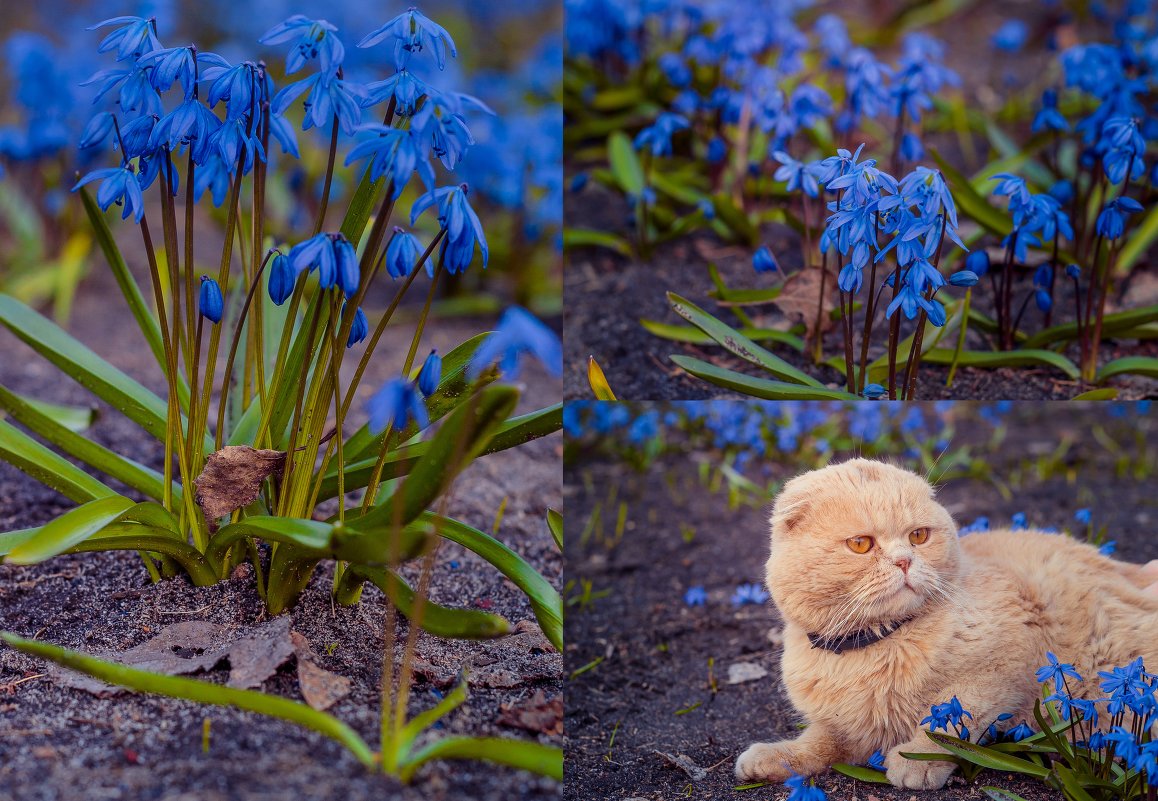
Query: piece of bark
point(320, 688)
point(537, 713)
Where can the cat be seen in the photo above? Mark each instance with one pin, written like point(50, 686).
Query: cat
point(931, 616)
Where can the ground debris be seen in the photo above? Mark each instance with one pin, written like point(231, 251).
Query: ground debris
point(694, 771)
point(537, 713)
point(740, 672)
point(232, 478)
point(320, 687)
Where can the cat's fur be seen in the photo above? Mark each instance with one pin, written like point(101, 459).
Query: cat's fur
point(985, 609)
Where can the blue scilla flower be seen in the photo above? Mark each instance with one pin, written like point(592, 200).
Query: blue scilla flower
point(657, 136)
point(443, 124)
point(97, 130)
point(749, 594)
point(833, 167)
point(1042, 300)
point(210, 302)
point(1019, 521)
point(1014, 187)
point(763, 261)
point(403, 86)
point(518, 332)
point(1019, 732)
point(717, 150)
point(118, 185)
point(396, 405)
point(395, 153)
point(312, 38)
point(1062, 191)
point(911, 147)
point(333, 256)
point(866, 88)
point(360, 328)
point(189, 124)
point(696, 596)
point(283, 131)
point(832, 36)
point(329, 97)
point(430, 374)
point(136, 35)
point(1083, 516)
point(236, 144)
point(178, 64)
point(1011, 36)
point(402, 253)
point(136, 135)
point(877, 760)
point(800, 176)
point(963, 278)
point(978, 525)
point(1055, 671)
point(874, 391)
point(802, 789)
point(675, 68)
point(136, 92)
point(1112, 219)
point(212, 174)
point(281, 279)
point(412, 32)
point(977, 262)
point(1049, 118)
point(242, 86)
point(463, 228)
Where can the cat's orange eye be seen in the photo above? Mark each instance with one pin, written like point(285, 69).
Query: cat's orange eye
point(919, 536)
point(859, 544)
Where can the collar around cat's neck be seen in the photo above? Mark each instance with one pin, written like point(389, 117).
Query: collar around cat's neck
point(856, 639)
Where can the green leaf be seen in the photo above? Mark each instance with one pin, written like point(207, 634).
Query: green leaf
point(309, 535)
point(546, 602)
point(1103, 394)
point(1133, 365)
point(33, 415)
point(735, 219)
point(675, 189)
point(986, 757)
point(523, 754)
point(555, 523)
point(1013, 358)
point(861, 773)
point(625, 164)
point(756, 387)
point(71, 418)
point(1138, 242)
point(29, 456)
point(457, 443)
point(71, 528)
point(737, 343)
point(1073, 787)
point(441, 621)
point(361, 207)
point(426, 719)
point(997, 794)
point(695, 336)
point(598, 381)
point(1115, 323)
point(587, 237)
point(204, 692)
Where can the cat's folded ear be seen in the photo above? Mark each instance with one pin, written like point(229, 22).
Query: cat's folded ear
point(788, 514)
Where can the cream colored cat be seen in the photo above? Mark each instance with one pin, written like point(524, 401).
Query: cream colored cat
point(861, 546)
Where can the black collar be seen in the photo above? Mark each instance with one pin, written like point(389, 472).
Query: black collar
point(856, 639)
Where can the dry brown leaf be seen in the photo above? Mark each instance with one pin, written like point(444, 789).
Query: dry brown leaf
point(537, 713)
point(798, 300)
point(232, 479)
point(255, 658)
point(320, 687)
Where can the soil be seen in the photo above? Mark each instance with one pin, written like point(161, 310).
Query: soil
point(57, 742)
point(651, 691)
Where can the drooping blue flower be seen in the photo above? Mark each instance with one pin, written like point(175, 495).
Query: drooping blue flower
point(395, 153)
point(396, 405)
point(802, 789)
point(281, 279)
point(403, 86)
point(1049, 118)
point(329, 97)
point(657, 136)
point(412, 32)
point(1019, 732)
point(874, 391)
point(1019, 522)
point(136, 135)
point(518, 332)
point(189, 124)
point(402, 253)
point(1062, 191)
point(136, 93)
point(877, 760)
point(964, 278)
point(1056, 671)
point(978, 525)
point(1074, 271)
point(696, 596)
point(97, 130)
point(359, 329)
point(1112, 219)
point(800, 176)
point(118, 185)
point(1083, 516)
point(210, 302)
point(763, 261)
point(242, 86)
point(314, 39)
point(752, 594)
point(135, 36)
point(1011, 36)
point(977, 262)
point(333, 256)
point(463, 228)
point(430, 374)
point(178, 64)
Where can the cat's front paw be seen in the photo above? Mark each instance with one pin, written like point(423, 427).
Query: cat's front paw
point(915, 774)
point(772, 762)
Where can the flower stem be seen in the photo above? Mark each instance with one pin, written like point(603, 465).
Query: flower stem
point(330, 158)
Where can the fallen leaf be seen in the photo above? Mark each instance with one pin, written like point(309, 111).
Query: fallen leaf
point(320, 687)
point(232, 479)
point(694, 771)
point(255, 658)
point(740, 672)
point(800, 295)
point(537, 713)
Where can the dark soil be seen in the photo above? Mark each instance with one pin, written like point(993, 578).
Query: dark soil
point(656, 651)
point(60, 743)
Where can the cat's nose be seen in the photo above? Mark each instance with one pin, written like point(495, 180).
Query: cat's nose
point(903, 564)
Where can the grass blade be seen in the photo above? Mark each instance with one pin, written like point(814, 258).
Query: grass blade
point(694, 336)
point(1133, 365)
point(523, 754)
point(861, 773)
point(625, 164)
point(756, 387)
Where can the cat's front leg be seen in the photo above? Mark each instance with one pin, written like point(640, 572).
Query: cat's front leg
point(915, 774)
point(810, 753)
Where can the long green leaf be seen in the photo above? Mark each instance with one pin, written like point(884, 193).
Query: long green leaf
point(71, 528)
point(756, 387)
point(441, 621)
point(1115, 323)
point(739, 344)
point(1132, 365)
point(985, 757)
point(73, 418)
point(695, 336)
point(361, 207)
point(1138, 243)
point(625, 165)
point(203, 692)
point(134, 474)
point(523, 754)
point(546, 602)
point(861, 773)
point(1013, 358)
point(29, 456)
point(586, 237)
point(555, 523)
point(997, 794)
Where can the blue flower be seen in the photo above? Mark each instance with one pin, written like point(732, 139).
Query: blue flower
point(360, 329)
point(877, 760)
point(1107, 548)
point(518, 332)
point(137, 36)
point(749, 594)
point(696, 596)
point(1074, 271)
point(1019, 732)
point(1112, 219)
point(977, 262)
point(963, 278)
point(281, 279)
point(463, 229)
point(332, 256)
point(402, 253)
point(119, 185)
point(1019, 522)
point(1083, 516)
point(1049, 118)
point(406, 90)
point(657, 136)
point(430, 374)
point(396, 154)
point(950, 713)
point(803, 790)
point(874, 391)
point(798, 174)
point(1011, 36)
point(764, 262)
point(315, 39)
point(329, 96)
point(395, 406)
point(190, 123)
point(1056, 671)
point(174, 64)
point(97, 130)
point(241, 86)
point(210, 302)
point(412, 32)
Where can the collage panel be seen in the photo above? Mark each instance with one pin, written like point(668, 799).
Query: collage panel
point(784, 599)
point(796, 200)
